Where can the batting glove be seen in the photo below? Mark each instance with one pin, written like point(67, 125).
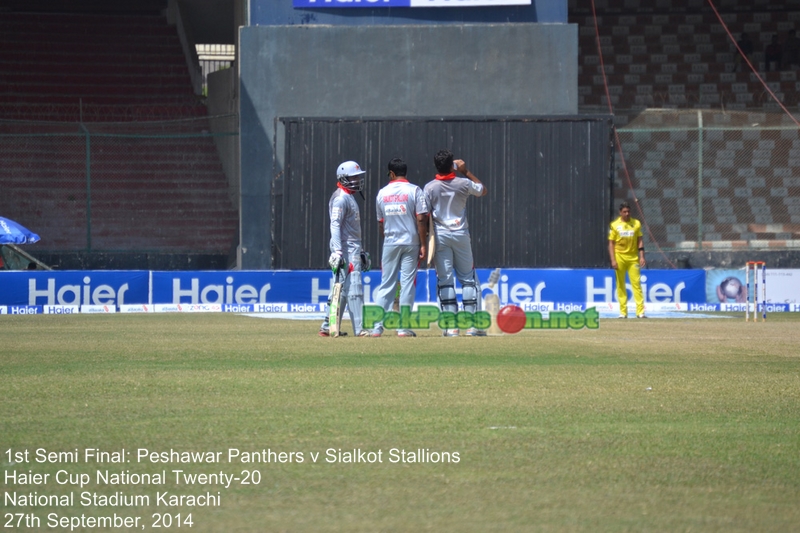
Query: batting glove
point(335, 260)
point(366, 261)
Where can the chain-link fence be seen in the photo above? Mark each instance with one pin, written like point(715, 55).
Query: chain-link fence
point(123, 187)
point(713, 180)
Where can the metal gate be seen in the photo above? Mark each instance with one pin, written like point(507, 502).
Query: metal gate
point(549, 181)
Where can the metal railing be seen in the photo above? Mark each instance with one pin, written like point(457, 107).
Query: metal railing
point(214, 57)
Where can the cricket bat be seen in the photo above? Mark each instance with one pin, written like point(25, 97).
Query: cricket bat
point(491, 303)
point(334, 317)
point(431, 240)
point(396, 304)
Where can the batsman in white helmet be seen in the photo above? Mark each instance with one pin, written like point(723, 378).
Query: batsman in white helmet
point(447, 197)
point(345, 243)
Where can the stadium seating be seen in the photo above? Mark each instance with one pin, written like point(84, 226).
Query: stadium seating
point(666, 61)
point(680, 60)
point(658, 56)
point(73, 66)
point(118, 87)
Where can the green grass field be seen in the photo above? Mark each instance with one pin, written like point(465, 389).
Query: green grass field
point(657, 425)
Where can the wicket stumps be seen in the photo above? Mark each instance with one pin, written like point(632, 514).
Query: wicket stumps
point(754, 266)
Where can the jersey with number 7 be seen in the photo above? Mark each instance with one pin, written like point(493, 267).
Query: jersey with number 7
point(447, 200)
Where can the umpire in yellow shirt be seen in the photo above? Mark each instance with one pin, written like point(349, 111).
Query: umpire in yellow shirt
point(626, 249)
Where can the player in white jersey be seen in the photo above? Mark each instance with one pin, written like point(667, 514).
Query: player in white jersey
point(403, 218)
point(447, 198)
point(345, 243)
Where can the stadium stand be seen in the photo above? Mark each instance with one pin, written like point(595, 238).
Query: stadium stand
point(712, 158)
point(707, 151)
point(684, 60)
point(93, 67)
point(106, 146)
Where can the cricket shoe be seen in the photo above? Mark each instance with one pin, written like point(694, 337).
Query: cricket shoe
point(622, 316)
point(450, 333)
point(641, 316)
point(405, 333)
point(326, 333)
point(377, 332)
point(475, 332)
point(364, 333)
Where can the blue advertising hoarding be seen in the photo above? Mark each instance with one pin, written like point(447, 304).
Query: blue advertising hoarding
point(595, 286)
point(402, 12)
point(515, 286)
point(518, 286)
point(406, 3)
point(74, 287)
point(63, 292)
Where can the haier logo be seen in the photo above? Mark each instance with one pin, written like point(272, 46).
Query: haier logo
point(271, 308)
point(218, 294)
point(519, 293)
point(569, 307)
point(84, 294)
point(703, 307)
point(733, 308)
point(350, 3)
point(659, 292)
point(769, 308)
point(61, 309)
point(304, 308)
point(237, 308)
point(529, 307)
point(407, 3)
point(24, 310)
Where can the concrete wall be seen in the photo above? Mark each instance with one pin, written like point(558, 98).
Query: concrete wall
point(387, 71)
point(223, 107)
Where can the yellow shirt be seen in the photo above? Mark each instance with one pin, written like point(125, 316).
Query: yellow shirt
point(626, 237)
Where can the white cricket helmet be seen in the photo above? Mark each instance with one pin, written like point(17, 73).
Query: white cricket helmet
point(349, 175)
